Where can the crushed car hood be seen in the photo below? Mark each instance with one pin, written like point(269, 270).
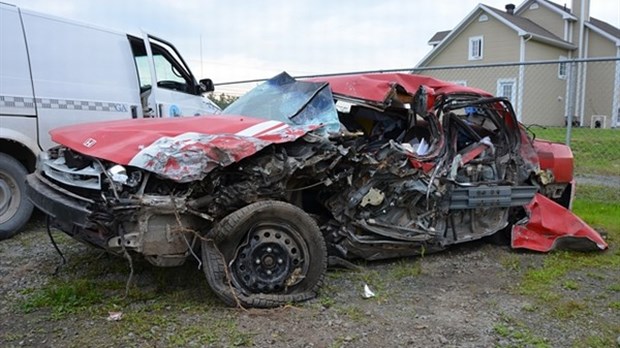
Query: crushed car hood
point(181, 149)
point(185, 149)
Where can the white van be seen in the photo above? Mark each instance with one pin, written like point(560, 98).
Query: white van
point(55, 72)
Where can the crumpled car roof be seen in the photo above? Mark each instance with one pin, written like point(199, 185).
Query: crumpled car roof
point(378, 87)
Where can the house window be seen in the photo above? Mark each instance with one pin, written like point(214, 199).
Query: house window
point(534, 6)
point(506, 88)
point(483, 18)
point(562, 68)
point(475, 48)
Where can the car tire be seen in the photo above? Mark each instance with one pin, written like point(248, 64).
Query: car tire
point(15, 208)
point(266, 254)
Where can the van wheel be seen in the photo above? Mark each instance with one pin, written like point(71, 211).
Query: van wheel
point(266, 254)
point(15, 208)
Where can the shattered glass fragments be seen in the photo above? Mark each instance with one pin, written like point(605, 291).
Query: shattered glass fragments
point(282, 98)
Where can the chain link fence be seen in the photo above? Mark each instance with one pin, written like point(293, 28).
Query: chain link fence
point(575, 101)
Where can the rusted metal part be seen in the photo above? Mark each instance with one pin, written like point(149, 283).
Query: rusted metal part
point(159, 229)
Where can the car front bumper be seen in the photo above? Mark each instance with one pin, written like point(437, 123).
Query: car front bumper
point(58, 203)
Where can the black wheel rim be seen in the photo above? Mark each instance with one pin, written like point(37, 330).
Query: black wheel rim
point(271, 259)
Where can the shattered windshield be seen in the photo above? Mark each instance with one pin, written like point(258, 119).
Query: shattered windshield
point(282, 98)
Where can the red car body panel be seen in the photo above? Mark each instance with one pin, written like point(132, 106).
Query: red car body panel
point(556, 157)
point(550, 224)
point(378, 87)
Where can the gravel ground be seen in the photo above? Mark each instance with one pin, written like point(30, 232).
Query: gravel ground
point(465, 297)
point(599, 180)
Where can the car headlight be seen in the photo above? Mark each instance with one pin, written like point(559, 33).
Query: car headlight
point(118, 174)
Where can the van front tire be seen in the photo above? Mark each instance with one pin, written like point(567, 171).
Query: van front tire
point(15, 208)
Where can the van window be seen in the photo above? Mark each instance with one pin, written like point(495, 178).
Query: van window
point(169, 72)
point(144, 72)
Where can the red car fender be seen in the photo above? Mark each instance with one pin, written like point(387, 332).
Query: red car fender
point(558, 158)
point(549, 225)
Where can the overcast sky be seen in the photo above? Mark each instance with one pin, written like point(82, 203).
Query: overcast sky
point(257, 39)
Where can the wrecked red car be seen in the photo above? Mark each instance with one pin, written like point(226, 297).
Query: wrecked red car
point(296, 173)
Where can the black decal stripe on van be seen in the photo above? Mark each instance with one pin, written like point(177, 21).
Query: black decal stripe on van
point(63, 104)
point(16, 102)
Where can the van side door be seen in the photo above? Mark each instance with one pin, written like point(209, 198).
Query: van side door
point(17, 105)
point(80, 73)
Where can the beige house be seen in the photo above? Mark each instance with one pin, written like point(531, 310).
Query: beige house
point(540, 34)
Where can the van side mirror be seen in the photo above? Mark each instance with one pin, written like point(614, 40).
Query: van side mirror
point(206, 85)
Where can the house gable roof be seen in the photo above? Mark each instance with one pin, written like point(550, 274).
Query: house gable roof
point(523, 27)
point(561, 10)
point(604, 29)
point(526, 26)
point(440, 35)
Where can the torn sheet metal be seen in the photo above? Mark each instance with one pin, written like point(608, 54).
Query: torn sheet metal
point(550, 226)
point(190, 156)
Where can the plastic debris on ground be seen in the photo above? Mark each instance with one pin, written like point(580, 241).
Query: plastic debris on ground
point(367, 292)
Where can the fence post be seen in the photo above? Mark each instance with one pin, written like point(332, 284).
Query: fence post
point(572, 98)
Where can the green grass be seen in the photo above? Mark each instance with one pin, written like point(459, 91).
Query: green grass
point(353, 312)
point(570, 285)
point(553, 285)
point(80, 287)
point(511, 262)
point(83, 295)
point(596, 151)
point(405, 268)
point(518, 334)
point(600, 207)
point(604, 340)
point(596, 206)
point(570, 309)
point(64, 297)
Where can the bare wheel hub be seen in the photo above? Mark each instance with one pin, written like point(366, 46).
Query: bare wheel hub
point(271, 259)
point(9, 197)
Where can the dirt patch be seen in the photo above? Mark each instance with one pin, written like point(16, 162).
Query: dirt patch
point(469, 296)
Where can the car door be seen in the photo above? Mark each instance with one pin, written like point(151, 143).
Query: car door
point(168, 88)
point(484, 172)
